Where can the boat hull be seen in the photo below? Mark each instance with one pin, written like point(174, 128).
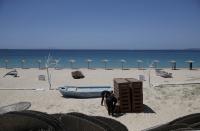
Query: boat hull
point(83, 92)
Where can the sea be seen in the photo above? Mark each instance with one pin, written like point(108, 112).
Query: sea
point(12, 58)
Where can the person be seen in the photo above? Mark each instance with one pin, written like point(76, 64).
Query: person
point(105, 94)
point(111, 102)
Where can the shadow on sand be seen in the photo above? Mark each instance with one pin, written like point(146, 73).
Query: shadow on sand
point(147, 109)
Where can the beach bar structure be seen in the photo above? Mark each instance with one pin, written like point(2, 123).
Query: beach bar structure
point(190, 62)
point(129, 93)
point(173, 64)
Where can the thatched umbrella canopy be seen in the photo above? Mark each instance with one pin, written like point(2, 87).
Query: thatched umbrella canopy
point(39, 63)
point(151, 66)
point(190, 63)
point(155, 62)
point(122, 62)
point(72, 61)
point(22, 63)
point(105, 61)
point(56, 62)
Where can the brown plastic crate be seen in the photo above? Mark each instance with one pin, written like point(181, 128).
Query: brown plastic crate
point(134, 83)
point(122, 92)
point(138, 108)
point(136, 95)
point(137, 104)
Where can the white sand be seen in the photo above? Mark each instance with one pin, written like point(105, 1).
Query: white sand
point(168, 101)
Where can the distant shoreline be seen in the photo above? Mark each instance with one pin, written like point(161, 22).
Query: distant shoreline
point(114, 58)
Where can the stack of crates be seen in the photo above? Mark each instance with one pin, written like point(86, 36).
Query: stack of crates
point(136, 95)
point(129, 93)
point(122, 93)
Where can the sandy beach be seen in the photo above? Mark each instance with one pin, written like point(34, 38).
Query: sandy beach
point(165, 100)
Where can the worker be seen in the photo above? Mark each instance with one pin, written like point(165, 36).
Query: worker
point(105, 94)
point(111, 102)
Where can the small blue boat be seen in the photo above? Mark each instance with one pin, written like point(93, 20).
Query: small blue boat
point(83, 92)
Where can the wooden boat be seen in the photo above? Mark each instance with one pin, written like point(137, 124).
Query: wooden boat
point(83, 92)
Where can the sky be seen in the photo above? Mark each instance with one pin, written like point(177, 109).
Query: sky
point(99, 24)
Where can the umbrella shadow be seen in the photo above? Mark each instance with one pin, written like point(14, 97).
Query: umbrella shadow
point(194, 69)
point(126, 69)
point(142, 69)
point(176, 69)
point(108, 69)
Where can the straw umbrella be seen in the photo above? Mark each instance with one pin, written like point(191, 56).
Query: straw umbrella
point(139, 63)
point(71, 63)
point(122, 62)
point(88, 63)
point(173, 63)
point(22, 63)
point(6, 63)
point(105, 61)
point(155, 63)
point(190, 63)
point(150, 67)
point(39, 63)
point(56, 62)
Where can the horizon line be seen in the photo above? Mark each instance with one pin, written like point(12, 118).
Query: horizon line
point(89, 49)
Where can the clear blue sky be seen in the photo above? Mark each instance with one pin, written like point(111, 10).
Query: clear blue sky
point(100, 24)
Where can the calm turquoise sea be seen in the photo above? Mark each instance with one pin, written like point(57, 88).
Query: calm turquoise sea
point(31, 57)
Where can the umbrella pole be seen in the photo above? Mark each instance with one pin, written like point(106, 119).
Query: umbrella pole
point(190, 66)
point(174, 66)
point(71, 64)
point(149, 78)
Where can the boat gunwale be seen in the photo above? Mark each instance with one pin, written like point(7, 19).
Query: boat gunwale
point(65, 89)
